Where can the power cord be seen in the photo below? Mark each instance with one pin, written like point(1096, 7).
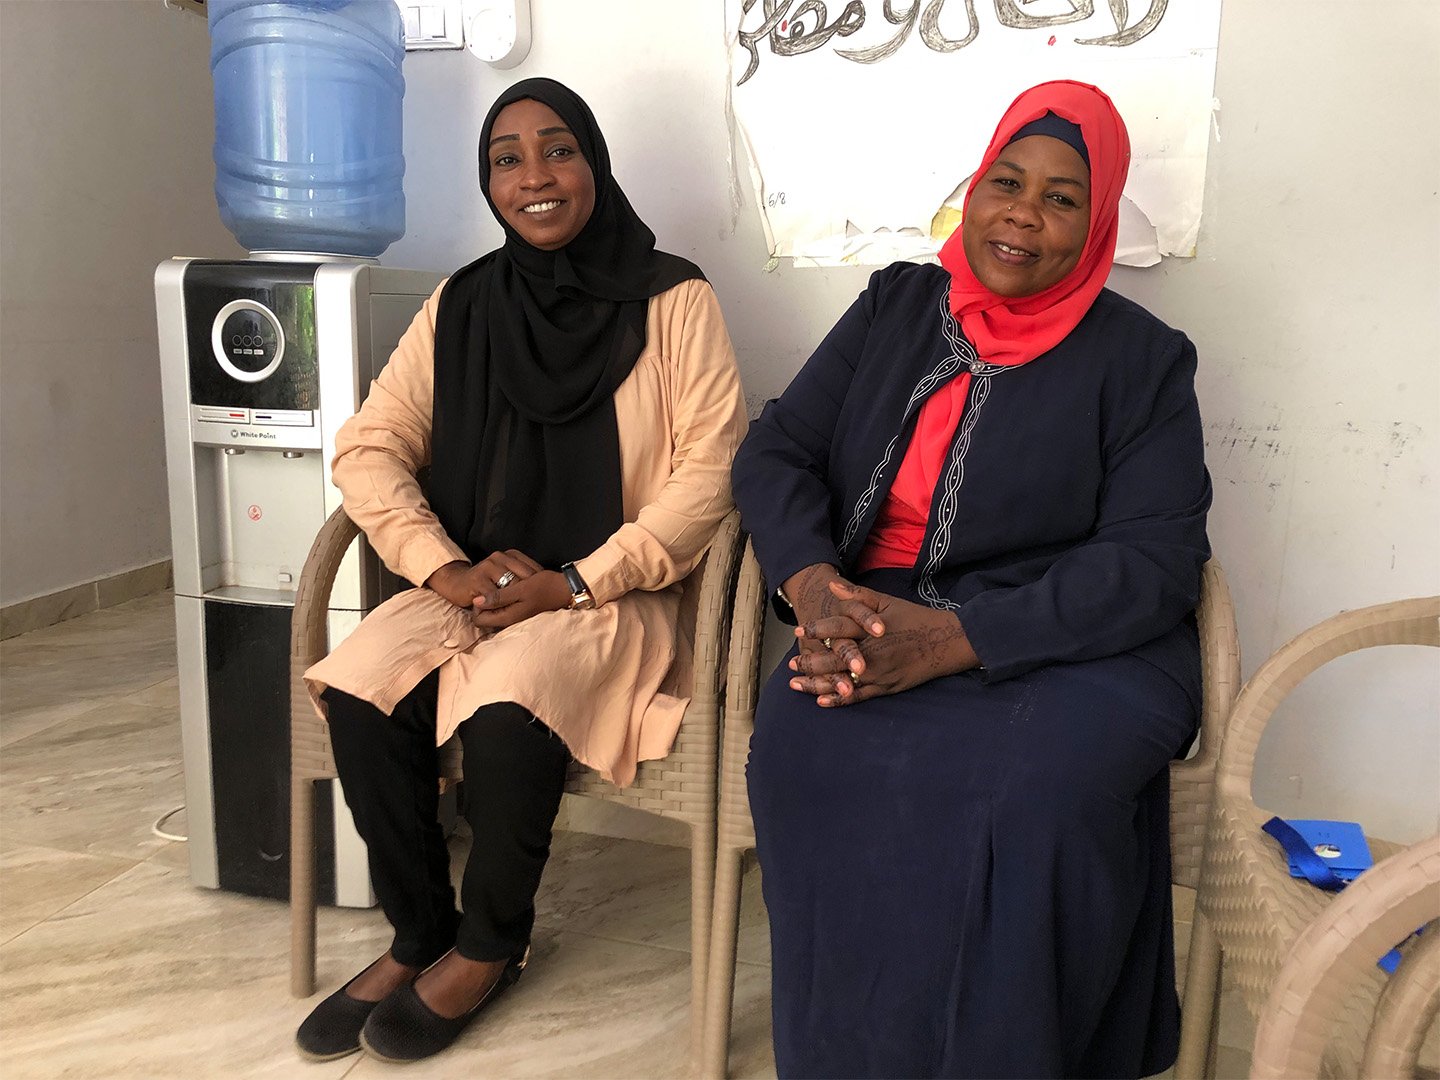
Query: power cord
point(161, 821)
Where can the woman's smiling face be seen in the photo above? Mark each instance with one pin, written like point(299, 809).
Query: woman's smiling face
point(1028, 217)
point(540, 182)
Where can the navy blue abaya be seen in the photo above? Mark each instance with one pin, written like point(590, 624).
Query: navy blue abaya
point(971, 878)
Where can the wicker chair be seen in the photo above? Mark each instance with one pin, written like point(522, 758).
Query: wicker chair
point(1337, 952)
point(1248, 899)
point(680, 786)
point(1191, 780)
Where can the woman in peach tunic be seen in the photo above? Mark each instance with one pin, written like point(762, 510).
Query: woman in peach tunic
point(575, 397)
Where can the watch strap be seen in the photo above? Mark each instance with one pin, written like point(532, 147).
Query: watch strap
point(580, 595)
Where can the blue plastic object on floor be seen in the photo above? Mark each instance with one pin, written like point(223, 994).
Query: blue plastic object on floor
point(308, 103)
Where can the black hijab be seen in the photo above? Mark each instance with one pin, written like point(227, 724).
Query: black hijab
point(530, 346)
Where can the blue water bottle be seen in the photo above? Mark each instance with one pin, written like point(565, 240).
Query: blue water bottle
point(308, 103)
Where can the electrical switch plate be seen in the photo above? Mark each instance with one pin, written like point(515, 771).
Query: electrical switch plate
point(498, 31)
point(432, 24)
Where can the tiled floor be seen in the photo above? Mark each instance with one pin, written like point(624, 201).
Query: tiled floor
point(112, 964)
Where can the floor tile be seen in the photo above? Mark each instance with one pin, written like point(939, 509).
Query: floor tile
point(34, 717)
point(174, 854)
point(628, 890)
point(593, 1008)
point(37, 882)
point(1237, 1026)
point(51, 675)
point(94, 784)
point(149, 977)
point(753, 944)
point(751, 1052)
point(162, 695)
point(1231, 1063)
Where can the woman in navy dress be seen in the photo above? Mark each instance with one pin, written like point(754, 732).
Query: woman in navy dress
point(983, 498)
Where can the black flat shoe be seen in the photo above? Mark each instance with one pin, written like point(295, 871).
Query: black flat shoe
point(332, 1029)
point(403, 1028)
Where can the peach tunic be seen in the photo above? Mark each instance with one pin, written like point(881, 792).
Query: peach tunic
point(611, 682)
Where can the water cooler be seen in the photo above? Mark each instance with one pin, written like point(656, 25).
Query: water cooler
point(262, 361)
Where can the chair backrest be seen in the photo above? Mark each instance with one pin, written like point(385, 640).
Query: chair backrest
point(1401, 622)
point(1192, 781)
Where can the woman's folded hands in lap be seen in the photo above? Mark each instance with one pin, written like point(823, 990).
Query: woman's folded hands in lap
point(528, 590)
point(545, 590)
point(857, 644)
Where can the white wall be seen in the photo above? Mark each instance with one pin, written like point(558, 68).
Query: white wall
point(105, 136)
point(1313, 302)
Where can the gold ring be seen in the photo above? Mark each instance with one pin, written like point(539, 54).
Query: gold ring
point(505, 579)
point(825, 642)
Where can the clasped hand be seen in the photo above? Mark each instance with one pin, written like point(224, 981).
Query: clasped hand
point(857, 644)
point(529, 591)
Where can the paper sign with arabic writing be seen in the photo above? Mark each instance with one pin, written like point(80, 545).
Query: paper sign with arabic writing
point(863, 120)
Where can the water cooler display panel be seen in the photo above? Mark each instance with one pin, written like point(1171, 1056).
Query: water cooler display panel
point(250, 335)
point(247, 661)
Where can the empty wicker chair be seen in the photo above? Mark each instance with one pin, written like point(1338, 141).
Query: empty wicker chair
point(1192, 784)
point(1337, 952)
point(679, 786)
point(1256, 910)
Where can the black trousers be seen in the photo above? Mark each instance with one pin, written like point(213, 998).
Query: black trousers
point(514, 776)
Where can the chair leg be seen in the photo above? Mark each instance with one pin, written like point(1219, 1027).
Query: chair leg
point(302, 887)
point(1200, 1008)
point(720, 994)
point(702, 894)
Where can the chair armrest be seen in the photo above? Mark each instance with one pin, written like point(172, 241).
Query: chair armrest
point(747, 627)
point(711, 617)
point(1219, 660)
point(1401, 622)
point(1192, 781)
point(1340, 947)
point(308, 638)
point(742, 688)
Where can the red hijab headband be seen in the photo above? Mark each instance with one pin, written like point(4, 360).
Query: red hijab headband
point(1015, 330)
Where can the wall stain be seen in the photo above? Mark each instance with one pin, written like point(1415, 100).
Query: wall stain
point(1262, 451)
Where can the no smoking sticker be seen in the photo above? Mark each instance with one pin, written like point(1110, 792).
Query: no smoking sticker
point(254, 512)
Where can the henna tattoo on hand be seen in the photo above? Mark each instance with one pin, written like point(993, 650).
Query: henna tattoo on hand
point(935, 650)
point(815, 589)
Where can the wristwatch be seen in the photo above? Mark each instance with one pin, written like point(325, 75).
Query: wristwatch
point(581, 598)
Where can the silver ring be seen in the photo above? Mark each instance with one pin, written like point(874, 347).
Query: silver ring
point(825, 642)
point(505, 579)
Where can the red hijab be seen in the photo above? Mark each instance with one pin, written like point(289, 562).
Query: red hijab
point(1006, 331)
point(1016, 330)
